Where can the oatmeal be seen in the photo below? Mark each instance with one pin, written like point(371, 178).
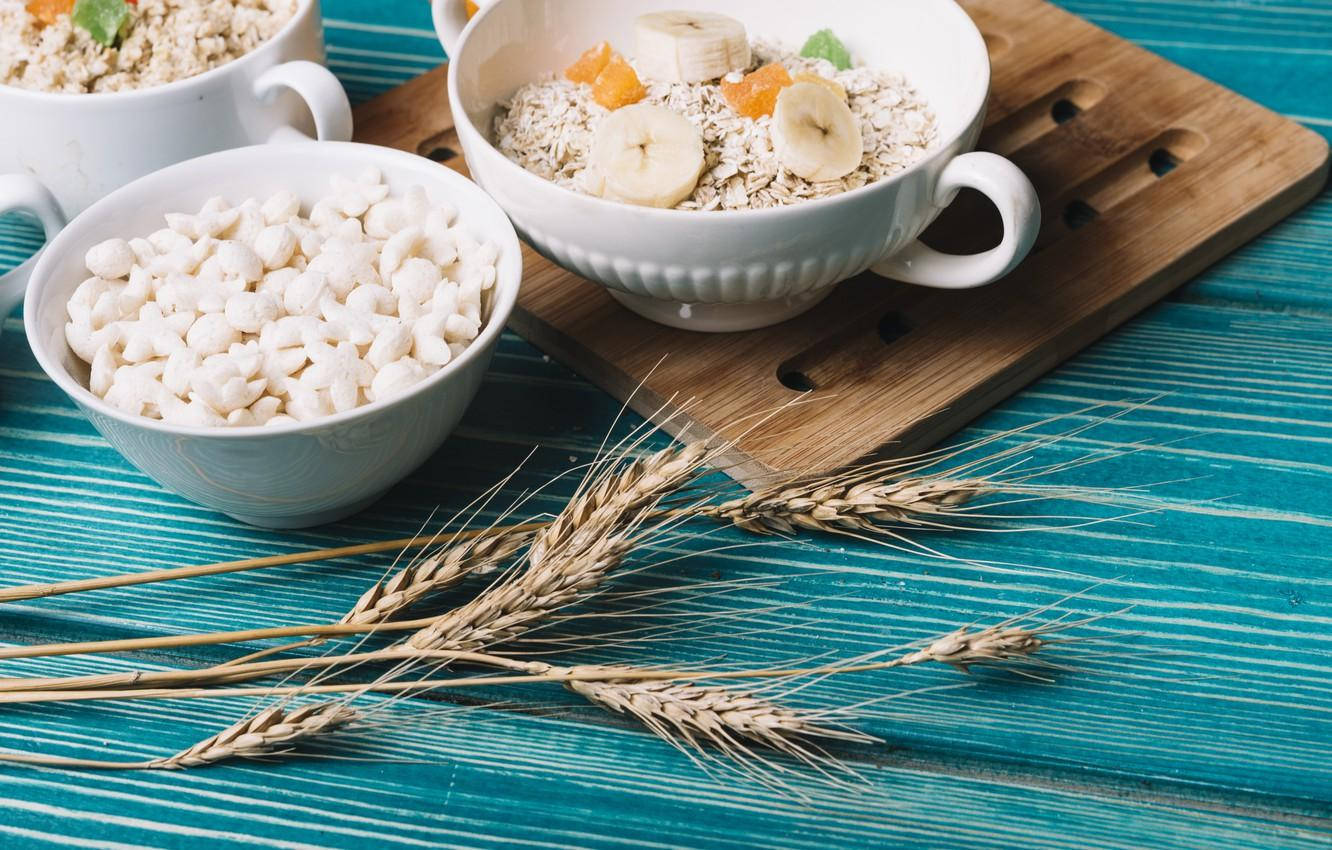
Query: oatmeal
point(550, 127)
point(154, 41)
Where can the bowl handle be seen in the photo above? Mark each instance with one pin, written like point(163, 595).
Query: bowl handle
point(322, 93)
point(450, 17)
point(1009, 189)
point(21, 192)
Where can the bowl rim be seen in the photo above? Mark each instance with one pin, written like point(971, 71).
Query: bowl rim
point(506, 289)
point(303, 9)
point(942, 148)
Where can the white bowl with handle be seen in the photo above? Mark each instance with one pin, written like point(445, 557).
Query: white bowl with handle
point(296, 474)
point(60, 152)
point(735, 270)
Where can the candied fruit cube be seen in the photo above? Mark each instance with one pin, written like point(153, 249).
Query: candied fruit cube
point(471, 8)
point(756, 94)
point(831, 85)
point(48, 11)
point(825, 45)
point(590, 64)
point(618, 85)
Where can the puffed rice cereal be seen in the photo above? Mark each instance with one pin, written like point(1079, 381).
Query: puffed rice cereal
point(258, 315)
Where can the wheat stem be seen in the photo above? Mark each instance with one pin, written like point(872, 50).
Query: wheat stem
point(962, 649)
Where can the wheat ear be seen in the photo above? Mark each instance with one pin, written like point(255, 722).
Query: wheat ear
point(568, 558)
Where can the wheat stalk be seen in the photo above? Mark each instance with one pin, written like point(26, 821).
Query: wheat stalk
point(272, 732)
point(571, 556)
point(845, 503)
point(432, 575)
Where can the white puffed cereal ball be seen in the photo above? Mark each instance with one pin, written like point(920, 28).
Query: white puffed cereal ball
point(460, 329)
point(84, 341)
point(104, 366)
point(275, 244)
point(211, 334)
point(110, 259)
point(398, 248)
point(265, 409)
point(372, 298)
point(179, 294)
point(393, 342)
point(306, 403)
point(236, 259)
point(248, 312)
point(280, 207)
point(166, 240)
point(325, 216)
point(416, 279)
point(428, 344)
point(396, 377)
point(304, 293)
point(242, 418)
point(143, 250)
point(179, 370)
point(83, 300)
point(281, 419)
point(386, 218)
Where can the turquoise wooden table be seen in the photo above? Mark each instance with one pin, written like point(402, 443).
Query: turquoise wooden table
point(1204, 721)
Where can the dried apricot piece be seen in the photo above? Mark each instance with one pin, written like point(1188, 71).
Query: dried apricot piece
point(831, 85)
point(471, 8)
point(618, 85)
point(590, 64)
point(48, 11)
point(756, 94)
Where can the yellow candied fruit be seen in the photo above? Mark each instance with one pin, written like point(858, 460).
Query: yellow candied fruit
point(49, 11)
point(756, 94)
point(471, 8)
point(831, 85)
point(590, 64)
point(618, 85)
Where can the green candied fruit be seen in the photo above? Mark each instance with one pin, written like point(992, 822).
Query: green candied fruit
point(824, 45)
point(101, 18)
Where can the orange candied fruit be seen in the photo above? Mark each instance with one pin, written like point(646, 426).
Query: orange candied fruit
point(590, 64)
point(49, 11)
point(471, 8)
point(617, 85)
point(756, 94)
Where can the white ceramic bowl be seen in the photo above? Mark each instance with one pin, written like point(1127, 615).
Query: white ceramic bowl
point(291, 475)
point(61, 152)
point(737, 270)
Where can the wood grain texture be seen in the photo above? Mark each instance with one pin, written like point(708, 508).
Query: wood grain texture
point(1210, 728)
point(1240, 168)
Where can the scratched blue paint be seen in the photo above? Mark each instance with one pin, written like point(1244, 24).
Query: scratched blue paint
point(1204, 720)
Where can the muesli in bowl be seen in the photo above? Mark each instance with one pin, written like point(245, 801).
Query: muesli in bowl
point(85, 46)
point(776, 125)
point(642, 201)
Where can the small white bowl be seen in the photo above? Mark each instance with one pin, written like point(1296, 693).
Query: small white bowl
point(723, 271)
point(297, 474)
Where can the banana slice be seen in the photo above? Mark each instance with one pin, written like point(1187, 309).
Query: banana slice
point(645, 155)
point(690, 47)
point(814, 133)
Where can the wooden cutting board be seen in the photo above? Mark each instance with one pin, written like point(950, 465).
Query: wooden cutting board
point(1147, 174)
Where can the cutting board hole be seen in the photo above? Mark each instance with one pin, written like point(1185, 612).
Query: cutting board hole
point(795, 380)
point(892, 327)
point(1078, 213)
point(1059, 106)
point(1162, 162)
point(438, 147)
point(1064, 110)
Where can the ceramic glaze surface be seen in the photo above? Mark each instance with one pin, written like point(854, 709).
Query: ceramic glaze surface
point(290, 475)
point(729, 260)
